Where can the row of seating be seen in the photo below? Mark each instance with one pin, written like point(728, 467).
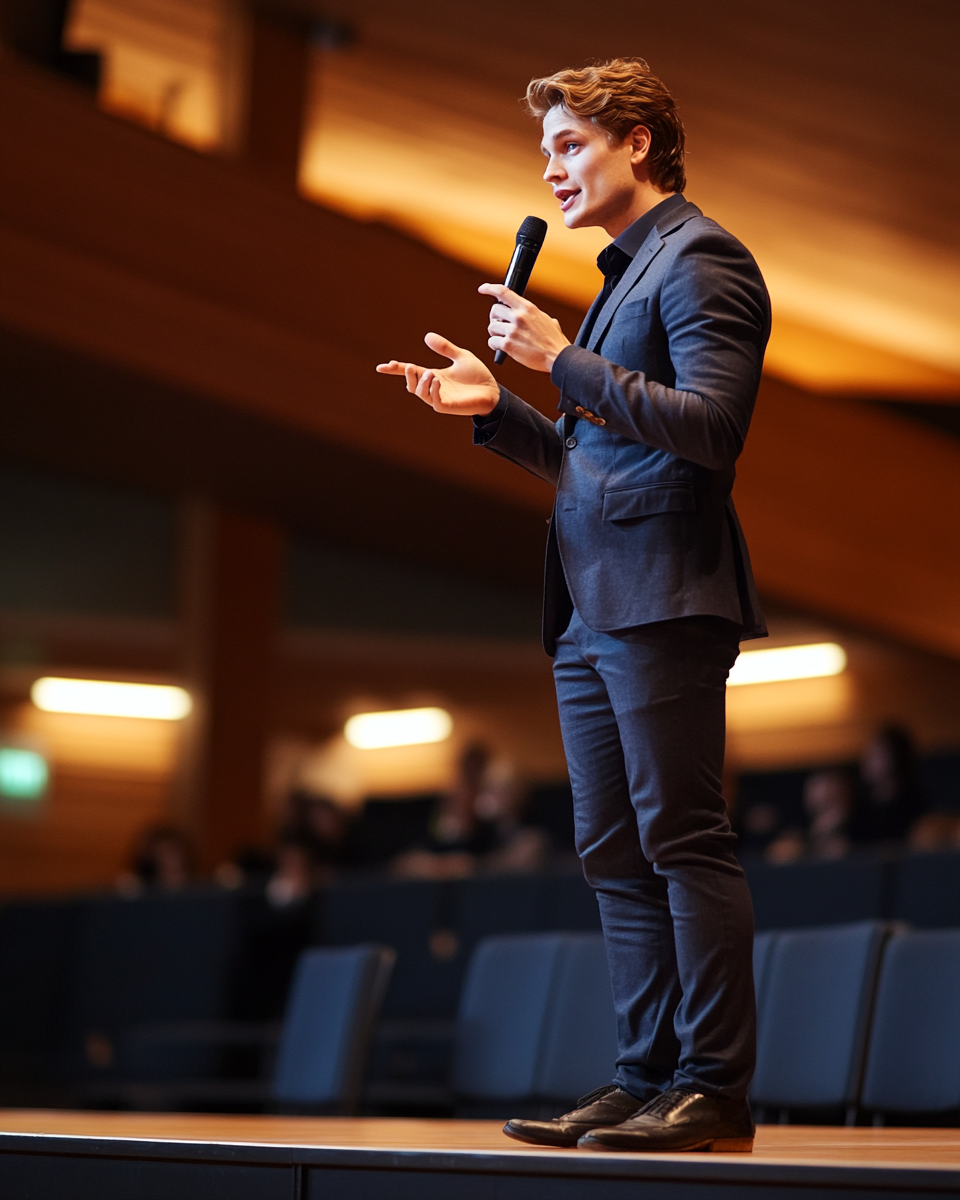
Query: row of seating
point(86, 984)
point(855, 1022)
point(922, 889)
point(858, 1020)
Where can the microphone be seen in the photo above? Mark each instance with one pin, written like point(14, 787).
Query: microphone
point(530, 237)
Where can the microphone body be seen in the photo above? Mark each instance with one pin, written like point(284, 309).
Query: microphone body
point(530, 237)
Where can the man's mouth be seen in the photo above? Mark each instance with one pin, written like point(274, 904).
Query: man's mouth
point(566, 196)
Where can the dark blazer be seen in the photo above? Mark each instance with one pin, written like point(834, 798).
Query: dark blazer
point(644, 528)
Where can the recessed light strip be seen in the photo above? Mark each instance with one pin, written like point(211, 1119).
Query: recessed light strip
point(788, 662)
point(401, 727)
point(102, 698)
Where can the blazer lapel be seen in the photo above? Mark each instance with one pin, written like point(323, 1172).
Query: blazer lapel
point(586, 320)
point(644, 257)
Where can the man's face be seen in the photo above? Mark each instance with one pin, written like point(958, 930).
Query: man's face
point(593, 179)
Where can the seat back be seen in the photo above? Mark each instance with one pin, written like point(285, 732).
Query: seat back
point(334, 1003)
point(579, 1047)
point(805, 894)
point(818, 993)
point(407, 915)
point(503, 1015)
point(927, 892)
point(159, 959)
point(913, 1061)
point(762, 947)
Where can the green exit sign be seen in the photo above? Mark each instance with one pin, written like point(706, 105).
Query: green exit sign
point(24, 776)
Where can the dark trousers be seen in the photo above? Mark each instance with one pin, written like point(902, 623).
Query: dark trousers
point(642, 715)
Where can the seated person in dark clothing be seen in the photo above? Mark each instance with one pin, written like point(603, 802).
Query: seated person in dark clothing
point(162, 859)
point(456, 836)
point(323, 824)
point(827, 802)
point(477, 826)
point(889, 799)
point(517, 846)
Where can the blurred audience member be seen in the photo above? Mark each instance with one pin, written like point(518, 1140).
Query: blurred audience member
point(478, 825)
point(295, 875)
point(889, 799)
point(162, 860)
point(323, 824)
point(517, 847)
point(756, 826)
point(457, 836)
point(936, 831)
point(827, 802)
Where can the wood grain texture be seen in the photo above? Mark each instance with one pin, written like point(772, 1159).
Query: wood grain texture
point(923, 1148)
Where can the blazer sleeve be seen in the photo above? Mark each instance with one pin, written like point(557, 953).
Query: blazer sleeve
point(518, 432)
point(716, 314)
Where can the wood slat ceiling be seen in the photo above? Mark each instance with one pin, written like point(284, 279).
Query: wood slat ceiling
point(822, 133)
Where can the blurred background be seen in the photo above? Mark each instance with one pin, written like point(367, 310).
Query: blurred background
point(216, 217)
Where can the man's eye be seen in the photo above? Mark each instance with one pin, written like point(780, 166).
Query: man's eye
point(571, 146)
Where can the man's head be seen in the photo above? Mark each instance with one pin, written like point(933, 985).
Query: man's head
point(626, 135)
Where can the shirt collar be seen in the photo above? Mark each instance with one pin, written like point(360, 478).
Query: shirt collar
point(635, 235)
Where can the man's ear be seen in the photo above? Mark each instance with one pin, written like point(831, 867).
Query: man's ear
point(639, 138)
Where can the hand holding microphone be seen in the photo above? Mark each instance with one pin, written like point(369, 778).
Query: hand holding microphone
point(517, 327)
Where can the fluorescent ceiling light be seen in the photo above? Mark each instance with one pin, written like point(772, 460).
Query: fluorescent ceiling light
point(99, 698)
point(402, 727)
point(788, 662)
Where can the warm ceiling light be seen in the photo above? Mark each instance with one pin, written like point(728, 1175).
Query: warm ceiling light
point(102, 699)
point(402, 727)
point(788, 662)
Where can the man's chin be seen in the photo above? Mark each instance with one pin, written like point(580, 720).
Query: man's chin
point(575, 219)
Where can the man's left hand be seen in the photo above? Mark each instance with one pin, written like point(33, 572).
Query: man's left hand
point(522, 330)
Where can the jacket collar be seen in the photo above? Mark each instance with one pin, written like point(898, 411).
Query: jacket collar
point(669, 223)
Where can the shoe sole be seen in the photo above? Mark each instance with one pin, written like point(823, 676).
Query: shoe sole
point(713, 1146)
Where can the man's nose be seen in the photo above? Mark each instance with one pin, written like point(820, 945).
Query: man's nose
point(552, 171)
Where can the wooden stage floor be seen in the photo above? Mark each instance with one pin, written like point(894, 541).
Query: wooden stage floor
point(140, 1156)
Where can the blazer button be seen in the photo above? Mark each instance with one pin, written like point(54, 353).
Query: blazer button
point(570, 442)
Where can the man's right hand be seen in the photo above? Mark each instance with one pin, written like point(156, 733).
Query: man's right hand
point(466, 388)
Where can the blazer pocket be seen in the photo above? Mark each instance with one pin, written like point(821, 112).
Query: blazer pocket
point(626, 504)
point(635, 307)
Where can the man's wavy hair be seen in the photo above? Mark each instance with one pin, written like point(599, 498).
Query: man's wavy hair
point(617, 95)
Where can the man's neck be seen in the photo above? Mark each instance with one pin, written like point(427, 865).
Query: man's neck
point(644, 198)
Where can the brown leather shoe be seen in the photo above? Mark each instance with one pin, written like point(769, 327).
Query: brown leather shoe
point(679, 1119)
point(606, 1106)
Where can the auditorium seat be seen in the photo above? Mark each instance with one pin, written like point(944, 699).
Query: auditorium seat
point(579, 1051)
point(414, 917)
point(805, 894)
point(762, 946)
point(38, 956)
point(569, 903)
point(490, 905)
point(335, 999)
point(817, 994)
point(503, 1021)
point(147, 964)
point(913, 1062)
point(927, 891)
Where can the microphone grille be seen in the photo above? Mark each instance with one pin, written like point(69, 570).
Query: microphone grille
point(533, 230)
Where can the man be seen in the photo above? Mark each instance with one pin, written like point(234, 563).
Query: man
point(648, 592)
